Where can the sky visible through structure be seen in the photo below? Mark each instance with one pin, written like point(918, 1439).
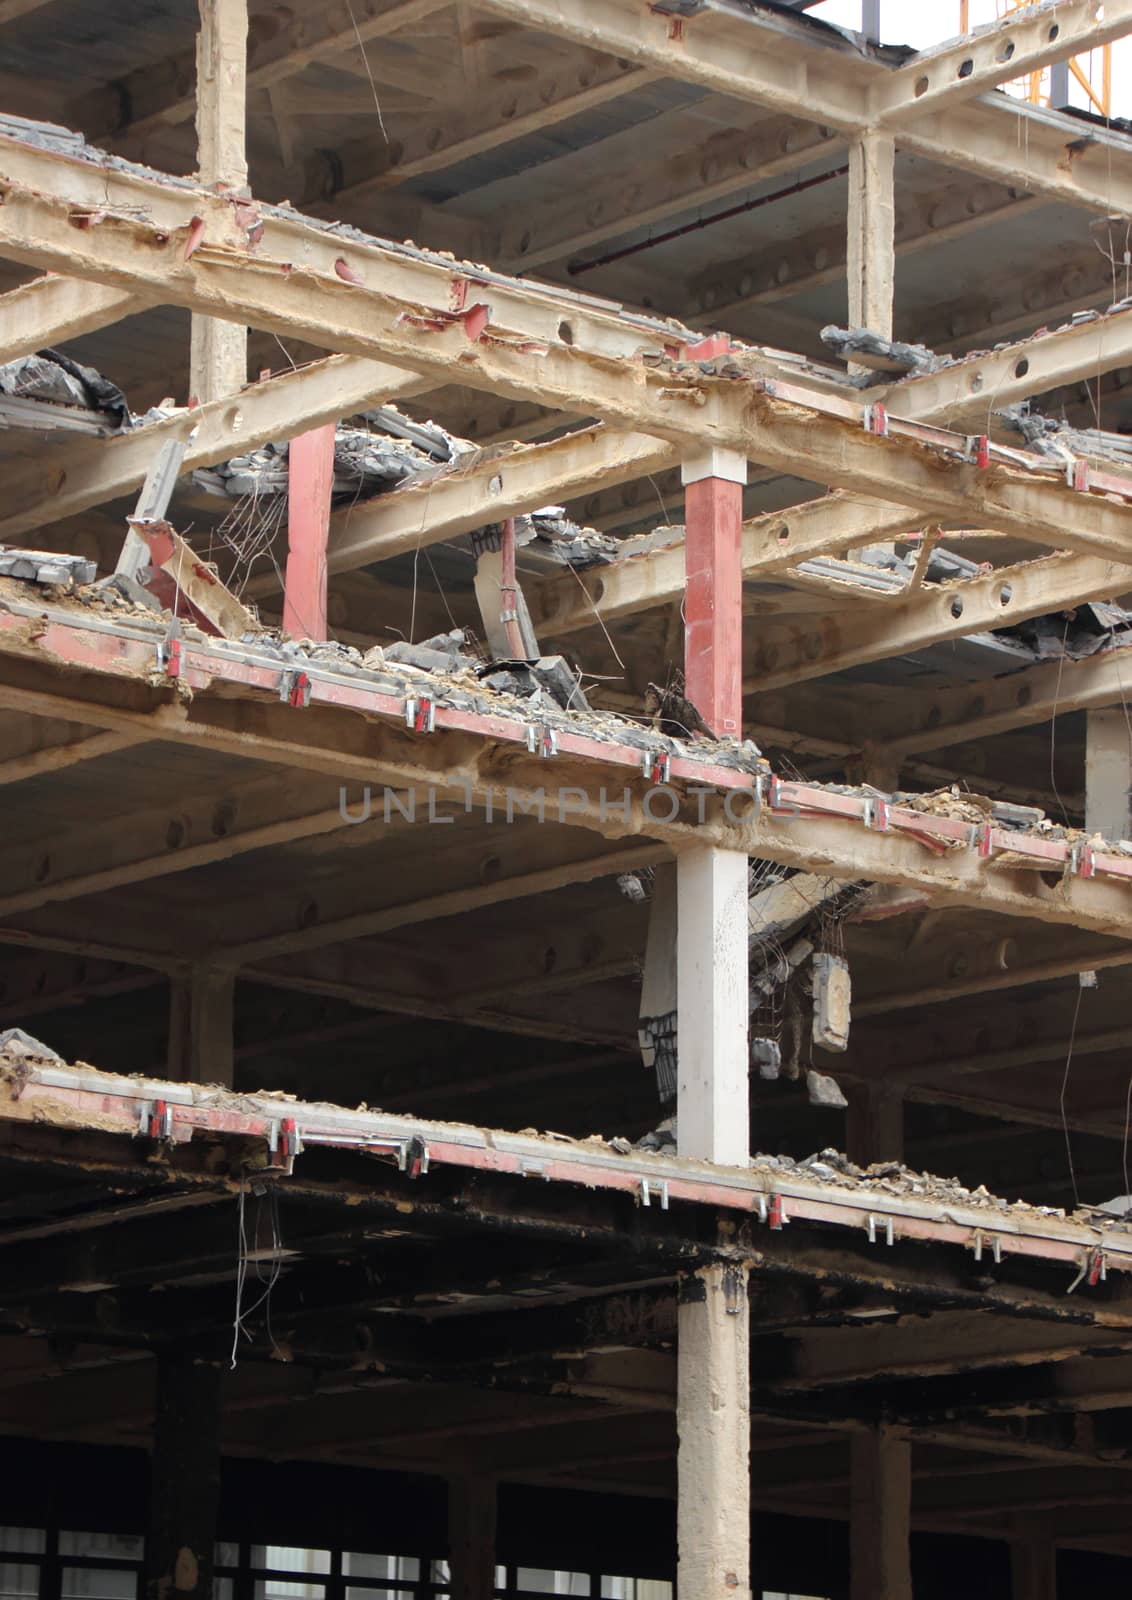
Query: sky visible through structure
point(927, 22)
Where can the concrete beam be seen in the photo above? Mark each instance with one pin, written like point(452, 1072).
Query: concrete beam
point(1023, 41)
point(771, 62)
point(50, 310)
point(99, 470)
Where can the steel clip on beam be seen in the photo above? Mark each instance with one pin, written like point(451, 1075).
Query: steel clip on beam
point(542, 741)
point(155, 1120)
point(420, 714)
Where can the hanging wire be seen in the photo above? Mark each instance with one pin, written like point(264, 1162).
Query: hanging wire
point(1064, 1089)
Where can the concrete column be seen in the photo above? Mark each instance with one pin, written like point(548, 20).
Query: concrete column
point(872, 232)
point(1033, 1563)
point(472, 1501)
point(184, 1480)
point(712, 1005)
point(713, 1512)
point(713, 588)
point(310, 481)
point(1108, 772)
point(200, 1027)
point(874, 1124)
point(218, 363)
point(880, 1494)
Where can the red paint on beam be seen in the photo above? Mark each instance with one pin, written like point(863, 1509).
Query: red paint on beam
point(713, 603)
point(311, 477)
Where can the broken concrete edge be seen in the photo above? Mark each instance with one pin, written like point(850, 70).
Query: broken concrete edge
point(886, 1200)
point(136, 646)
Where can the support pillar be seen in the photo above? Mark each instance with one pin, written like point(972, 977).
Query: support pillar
point(874, 1124)
point(218, 362)
point(713, 1511)
point(310, 482)
point(1033, 1562)
point(472, 1502)
point(184, 1479)
point(871, 263)
point(200, 1027)
point(713, 584)
point(712, 1005)
point(1108, 772)
point(871, 252)
point(880, 1516)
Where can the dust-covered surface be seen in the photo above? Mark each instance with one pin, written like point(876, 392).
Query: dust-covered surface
point(82, 1098)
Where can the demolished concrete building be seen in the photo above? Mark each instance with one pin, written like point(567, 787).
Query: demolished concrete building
point(564, 656)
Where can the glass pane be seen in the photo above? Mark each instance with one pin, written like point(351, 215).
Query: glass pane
point(223, 1588)
point(24, 1541)
point(108, 1546)
point(355, 1565)
point(381, 1592)
point(290, 1558)
point(283, 1589)
point(98, 1583)
point(540, 1580)
point(226, 1555)
point(18, 1579)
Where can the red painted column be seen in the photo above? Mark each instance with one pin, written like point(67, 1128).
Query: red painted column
point(310, 480)
point(713, 588)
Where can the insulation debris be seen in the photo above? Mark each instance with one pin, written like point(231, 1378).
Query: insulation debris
point(49, 389)
point(389, 450)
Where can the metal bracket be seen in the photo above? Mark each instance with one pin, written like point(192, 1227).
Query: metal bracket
point(978, 450)
point(542, 741)
point(657, 1187)
point(996, 1248)
point(295, 689)
point(420, 714)
point(1098, 1268)
point(155, 1121)
point(875, 814)
point(169, 657)
point(1082, 861)
point(1077, 474)
point(412, 1157)
point(284, 1142)
point(876, 420)
point(776, 1213)
point(656, 766)
point(872, 1229)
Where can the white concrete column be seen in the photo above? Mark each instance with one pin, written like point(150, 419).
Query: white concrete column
point(880, 1518)
point(713, 1512)
point(1108, 772)
point(713, 1121)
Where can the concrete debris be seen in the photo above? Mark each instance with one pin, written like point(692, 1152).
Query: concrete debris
point(366, 462)
point(661, 1139)
point(443, 653)
point(53, 380)
point(15, 1043)
point(47, 568)
point(868, 349)
point(824, 1091)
